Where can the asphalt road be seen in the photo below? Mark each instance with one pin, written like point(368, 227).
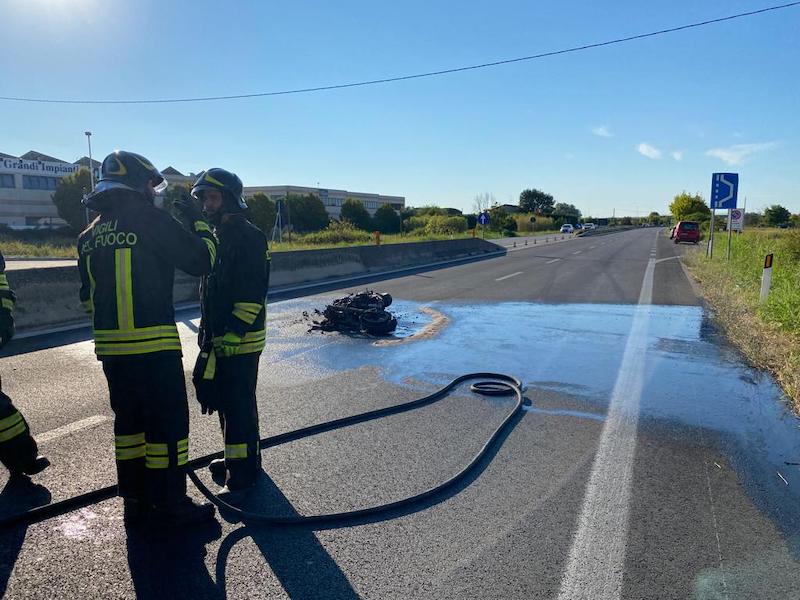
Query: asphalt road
point(651, 461)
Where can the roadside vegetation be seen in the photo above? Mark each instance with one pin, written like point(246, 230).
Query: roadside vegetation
point(768, 334)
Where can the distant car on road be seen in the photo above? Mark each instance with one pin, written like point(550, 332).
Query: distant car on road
point(686, 231)
point(578, 226)
point(589, 226)
point(567, 229)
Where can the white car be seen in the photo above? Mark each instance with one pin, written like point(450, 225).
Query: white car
point(589, 226)
point(567, 228)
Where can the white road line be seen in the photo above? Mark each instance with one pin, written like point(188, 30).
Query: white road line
point(597, 558)
point(578, 252)
point(550, 262)
point(592, 247)
point(58, 432)
point(509, 276)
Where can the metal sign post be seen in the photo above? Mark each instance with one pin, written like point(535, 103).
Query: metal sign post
point(730, 230)
point(724, 190)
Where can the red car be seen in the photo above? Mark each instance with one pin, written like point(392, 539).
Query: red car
point(686, 231)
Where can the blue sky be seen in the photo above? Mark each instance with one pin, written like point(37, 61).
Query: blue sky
point(623, 127)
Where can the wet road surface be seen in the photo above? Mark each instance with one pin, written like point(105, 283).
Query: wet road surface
point(651, 461)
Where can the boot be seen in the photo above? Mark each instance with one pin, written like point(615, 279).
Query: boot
point(218, 470)
point(183, 512)
point(39, 464)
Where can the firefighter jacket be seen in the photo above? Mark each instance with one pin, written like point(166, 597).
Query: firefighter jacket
point(7, 300)
point(233, 296)
point(127, 259)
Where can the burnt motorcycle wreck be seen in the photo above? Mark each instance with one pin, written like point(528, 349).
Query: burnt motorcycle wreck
point(362, 312)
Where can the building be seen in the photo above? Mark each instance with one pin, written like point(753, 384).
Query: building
point(331, 199)
point(27, 184)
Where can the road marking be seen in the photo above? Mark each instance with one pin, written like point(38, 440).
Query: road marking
point(550, 262)
point(592, 247)
point(509, 276)
point(660, 260)
point(597, 558)
point(578, 252)
point(58, 432)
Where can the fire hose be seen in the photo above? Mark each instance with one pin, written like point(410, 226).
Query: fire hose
point(486, 384)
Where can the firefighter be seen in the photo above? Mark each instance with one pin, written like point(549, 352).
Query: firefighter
point(18, 450)
point(127, 261)
point(232, 329)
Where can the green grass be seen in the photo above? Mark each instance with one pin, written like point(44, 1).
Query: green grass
point(56, 248)
point(769, 333)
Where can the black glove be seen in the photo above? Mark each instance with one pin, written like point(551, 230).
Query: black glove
point(6, 327)
point(205, 384)
point(187, 210)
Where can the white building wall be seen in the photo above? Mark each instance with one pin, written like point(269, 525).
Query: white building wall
point(331, 199)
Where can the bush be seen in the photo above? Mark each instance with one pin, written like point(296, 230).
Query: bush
point(261, 212)
point(353, 211)
point(386, 219)
point(441, 225)
point(68, 197)
point(337, 233)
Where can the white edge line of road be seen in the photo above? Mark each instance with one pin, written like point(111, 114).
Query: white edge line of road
point(48, 436)
point(596, 563)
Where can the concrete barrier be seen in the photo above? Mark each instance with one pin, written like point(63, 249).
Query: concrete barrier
point(48, 297)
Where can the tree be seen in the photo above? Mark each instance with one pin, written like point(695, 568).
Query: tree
point(306, 213)
point(354, 212)
point(566, 212)
point(499, 219)
point(752, 219)
point(430, 210)
point(536, 201)
point(654, 218)
point(776, 215)
point(483, 202)
point(386, 219)
point(262, 212)
point(685, 204)
point(174, 193)
point(68, 197)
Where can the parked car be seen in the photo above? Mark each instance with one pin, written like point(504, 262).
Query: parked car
point(686, 231)
point(567, 228)
point(578, 226)
point(589, 226)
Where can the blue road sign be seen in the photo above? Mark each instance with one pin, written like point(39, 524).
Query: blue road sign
point(724, 190)
point(483, 218)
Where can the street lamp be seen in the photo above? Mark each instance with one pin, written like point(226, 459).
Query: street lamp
point(91, 165)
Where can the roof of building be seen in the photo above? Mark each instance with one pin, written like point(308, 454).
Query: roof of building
point(4, 155)
point(172, 171)
point(84, 162)
point(34, 155)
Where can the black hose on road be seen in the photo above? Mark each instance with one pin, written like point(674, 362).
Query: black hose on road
point(491, 384)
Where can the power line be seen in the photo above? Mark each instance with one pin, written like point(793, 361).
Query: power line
point(416, 75)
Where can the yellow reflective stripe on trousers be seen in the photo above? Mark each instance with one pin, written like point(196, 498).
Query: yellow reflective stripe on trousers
point(7, 303)
point(11, 426)
point(144, 347)
point(235, 451)
point(135, 334)
point(157, 456)
point(134, 439)
point(183, 452)
point(122, 264)
point(130, 453)
point(247, 311)
point(4, 282)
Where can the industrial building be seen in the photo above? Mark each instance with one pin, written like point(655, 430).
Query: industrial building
point(331, 199)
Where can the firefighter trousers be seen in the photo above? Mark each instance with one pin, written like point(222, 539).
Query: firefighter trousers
point(238, 416)
point(151, 425)
point(18, 449)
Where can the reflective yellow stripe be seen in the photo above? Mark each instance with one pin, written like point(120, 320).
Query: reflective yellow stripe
point(7, 303)
point(130, 453)
point(134, 439)
point(10, 420)
point(250, 348)
point(157, 456)
point(212, 250)
point(183, 452)
point(135, 334)
point(147, 347)
point(4, 282)
point(183, 444)
point(13, 432)
point(247, 317)
point(251, 307)
point(235, 451)
point(91, 280)
point(255, 336)
point(211, 366)
point(87, 306)
point(122, 262)
point(201, 226)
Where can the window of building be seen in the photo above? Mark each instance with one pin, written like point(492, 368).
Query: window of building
point(39, 182)
point(7, 181)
